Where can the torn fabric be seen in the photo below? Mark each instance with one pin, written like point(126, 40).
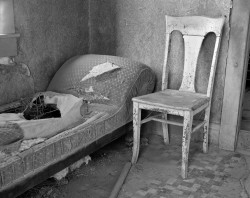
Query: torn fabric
point(69, 106)
point(100, 69)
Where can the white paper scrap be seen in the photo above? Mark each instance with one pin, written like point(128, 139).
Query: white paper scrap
point(100, 69)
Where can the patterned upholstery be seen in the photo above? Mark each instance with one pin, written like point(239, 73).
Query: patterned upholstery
point(120, 87)
point(115, 87)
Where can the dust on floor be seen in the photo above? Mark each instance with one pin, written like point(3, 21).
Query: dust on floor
point(94, 180)
point(156, 174)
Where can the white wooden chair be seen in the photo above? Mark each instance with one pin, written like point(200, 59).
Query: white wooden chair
point(185, 101)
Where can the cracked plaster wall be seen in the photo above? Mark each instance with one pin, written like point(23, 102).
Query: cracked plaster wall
point(51, 32)
point(135, 29)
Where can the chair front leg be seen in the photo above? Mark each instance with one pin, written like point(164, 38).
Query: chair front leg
point(187, 130)
point(165, 129)
point(206, 130)
point(136, 131)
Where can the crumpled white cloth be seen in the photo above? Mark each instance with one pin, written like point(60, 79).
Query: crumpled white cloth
point(69, 106)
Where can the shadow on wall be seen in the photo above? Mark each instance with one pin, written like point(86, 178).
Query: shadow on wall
point(51, 32)
point(15, 82)
point(103, 24)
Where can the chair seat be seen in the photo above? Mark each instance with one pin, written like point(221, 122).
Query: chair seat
point(174, 99)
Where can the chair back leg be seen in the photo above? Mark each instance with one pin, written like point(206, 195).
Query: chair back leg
point(136, 131)
point(206, 130)
point(165, 129)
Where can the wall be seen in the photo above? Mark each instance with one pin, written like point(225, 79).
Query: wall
point(139, 35)
point(51, 31)
point(102, 23)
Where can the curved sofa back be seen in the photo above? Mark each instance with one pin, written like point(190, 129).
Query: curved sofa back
point(116, 85)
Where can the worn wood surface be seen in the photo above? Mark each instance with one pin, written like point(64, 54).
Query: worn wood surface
point(185, 101)
point(174, 99)
point(120, 181)
point(165, 69)
point(194, 25)
point(165, 128)
point(190, 61)
point(235, 75)
point(186, 137)
point(137, 130)
point(205, 129)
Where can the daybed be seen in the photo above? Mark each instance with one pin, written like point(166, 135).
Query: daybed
point(110, 91)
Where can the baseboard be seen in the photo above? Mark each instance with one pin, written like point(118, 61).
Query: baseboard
point(214, 131)
point(243, 141)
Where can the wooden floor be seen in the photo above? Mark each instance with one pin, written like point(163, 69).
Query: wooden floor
point(216, 174)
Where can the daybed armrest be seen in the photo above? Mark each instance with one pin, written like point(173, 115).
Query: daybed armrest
point(118, 86)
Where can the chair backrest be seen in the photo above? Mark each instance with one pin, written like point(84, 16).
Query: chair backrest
point(194, 29)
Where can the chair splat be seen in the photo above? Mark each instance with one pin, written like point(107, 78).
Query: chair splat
point(192, 50)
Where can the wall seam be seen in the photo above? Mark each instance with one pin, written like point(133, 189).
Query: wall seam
point(225, 69)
